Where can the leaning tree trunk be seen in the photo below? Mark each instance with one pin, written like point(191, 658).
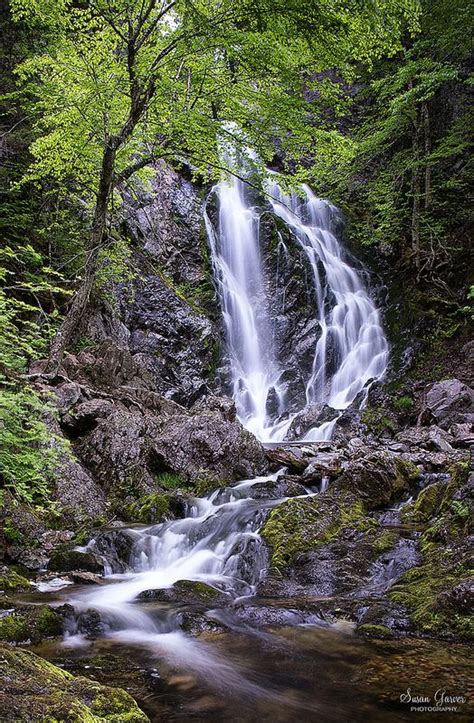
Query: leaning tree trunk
point(416, 193)
point(426, 127)
point(80, 300)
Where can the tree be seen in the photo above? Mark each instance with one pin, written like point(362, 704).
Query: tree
point(410, 148)
point(116, 83)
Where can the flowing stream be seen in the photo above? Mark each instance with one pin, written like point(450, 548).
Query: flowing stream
point(351, 349)
point(217, 543)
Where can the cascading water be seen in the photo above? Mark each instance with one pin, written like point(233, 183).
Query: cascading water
point(217, 543)
point(351, 349)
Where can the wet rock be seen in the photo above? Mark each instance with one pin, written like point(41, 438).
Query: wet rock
point(90, 623)
point(34, 689)
point(114, 547)
point(197, 623)
point(292, 458)
point(68, 560)
point(460, 598)
point(325, 464)
point(259, 616)
point(285, 486)
point(85, 416)
point(389, 567)
point(432, 438)
point(449, 402)
point(377, 478)
point(205, 445)
point(312, 416)
point(187, 592)
point(463, 434)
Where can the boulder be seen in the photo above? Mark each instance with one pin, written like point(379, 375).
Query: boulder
point(68, 560)
point(449, 402)
point(376, 478)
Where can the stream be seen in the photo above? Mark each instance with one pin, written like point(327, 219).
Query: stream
point(218, 651)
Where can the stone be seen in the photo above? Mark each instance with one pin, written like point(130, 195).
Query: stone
point(68, 560)
point(34, 689)
point(450, 401)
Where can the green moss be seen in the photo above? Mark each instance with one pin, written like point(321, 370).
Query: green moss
point(14, 629)
point(11, 580)
point(11, 533)
point(374, 631)
point(376, 420)
point(38, 690)
point(426, 504)
point(299, 525)
point(204, 486)
point(444, 545)
point(48, 624)
point(403, 404)
point(385, 542)
point(169, 480)
point(150, 508)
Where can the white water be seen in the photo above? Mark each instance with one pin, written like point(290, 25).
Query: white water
point(350, 331)
point(217, 543)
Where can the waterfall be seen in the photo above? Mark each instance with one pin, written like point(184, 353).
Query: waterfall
point(351, 348)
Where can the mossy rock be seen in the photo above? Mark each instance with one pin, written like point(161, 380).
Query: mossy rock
point(369, 630)
point(188, 592)
point(11, 580)
point(36, 690)
point(432, 590)
point(65, 560)
point(378, 478)
point(426, 504)
point(14, 629)
point(300, 525)
point(31, 623)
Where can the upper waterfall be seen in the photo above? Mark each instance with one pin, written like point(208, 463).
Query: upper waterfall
point(351, 347)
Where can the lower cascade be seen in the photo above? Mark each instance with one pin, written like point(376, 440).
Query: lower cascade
point(217, 543)
point(351, 349)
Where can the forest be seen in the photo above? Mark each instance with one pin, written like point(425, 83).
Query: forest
point(236, 394)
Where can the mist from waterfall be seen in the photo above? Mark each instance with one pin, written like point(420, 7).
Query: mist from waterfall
point(351, 348)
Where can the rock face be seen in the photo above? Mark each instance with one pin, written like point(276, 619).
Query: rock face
point(449, 402)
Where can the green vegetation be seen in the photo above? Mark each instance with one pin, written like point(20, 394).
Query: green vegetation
point(429, 590)
point(38, 690)
point(299, 525)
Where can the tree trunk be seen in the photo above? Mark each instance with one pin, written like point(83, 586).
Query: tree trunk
point(426, 128)
point(416, 192)
point(79, 303)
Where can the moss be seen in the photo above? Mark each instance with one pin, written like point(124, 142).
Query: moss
point(385, 542)
point(203, 486)
point(31, 623)
point(35, 690)
point(11, 532)
point(377, 421)
point(14, 629)
point(11, 580)
point(48, 624)
point(403, 403)
point(444, 544)
point(374, 631)
point(150, 508)
point(426, 504)
point(299, 525)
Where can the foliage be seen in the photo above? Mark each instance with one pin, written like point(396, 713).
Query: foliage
point(29, 453)
point(404, 166)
